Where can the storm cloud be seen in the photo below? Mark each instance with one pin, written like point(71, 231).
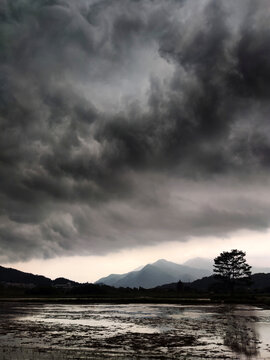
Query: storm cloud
point(126, 123)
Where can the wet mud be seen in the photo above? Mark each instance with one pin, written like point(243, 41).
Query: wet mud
point(140, 331)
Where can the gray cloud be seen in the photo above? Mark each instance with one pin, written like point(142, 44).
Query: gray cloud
point(118, 117)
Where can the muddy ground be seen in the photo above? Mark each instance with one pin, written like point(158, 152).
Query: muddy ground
point(138, 331)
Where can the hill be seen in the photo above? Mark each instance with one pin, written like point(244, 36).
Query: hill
point(259, 282)
point(9, 275)
point(13, 276)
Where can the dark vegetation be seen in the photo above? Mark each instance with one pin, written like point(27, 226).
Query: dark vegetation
point(232, 269)
point(9, 275)
point(231, 273)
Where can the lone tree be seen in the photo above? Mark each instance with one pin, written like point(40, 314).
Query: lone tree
point(231, 267)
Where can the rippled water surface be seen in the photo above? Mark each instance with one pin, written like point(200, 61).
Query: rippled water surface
point(139, 331)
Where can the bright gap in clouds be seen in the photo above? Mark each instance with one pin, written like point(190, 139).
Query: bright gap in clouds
point(91, 268)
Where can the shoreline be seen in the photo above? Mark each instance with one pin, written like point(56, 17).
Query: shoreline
point(143, 300)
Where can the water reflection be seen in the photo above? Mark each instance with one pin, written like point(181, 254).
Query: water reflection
point(123, 331)
point(240, 334)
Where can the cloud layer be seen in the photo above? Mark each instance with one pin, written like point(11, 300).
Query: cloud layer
point(124, 123)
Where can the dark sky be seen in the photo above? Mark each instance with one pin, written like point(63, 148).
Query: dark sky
point(131, 122)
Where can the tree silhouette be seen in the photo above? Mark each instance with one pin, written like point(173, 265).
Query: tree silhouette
point(231, 267)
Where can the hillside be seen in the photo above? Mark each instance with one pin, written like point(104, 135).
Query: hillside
point(259, 282)
point(9, 275)
point(13, 276)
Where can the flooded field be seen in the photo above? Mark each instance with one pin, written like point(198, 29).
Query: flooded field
point(137, 331)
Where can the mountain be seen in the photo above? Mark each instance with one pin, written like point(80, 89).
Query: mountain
point(152, 275)
point(112, 279)
point(201, 263)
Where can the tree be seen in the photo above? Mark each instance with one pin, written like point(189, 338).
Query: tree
point(231, 267)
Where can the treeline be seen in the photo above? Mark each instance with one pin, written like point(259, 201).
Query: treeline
point(207, 286)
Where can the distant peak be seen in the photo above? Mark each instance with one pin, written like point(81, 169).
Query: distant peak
point(163, 262)
point(160, 261)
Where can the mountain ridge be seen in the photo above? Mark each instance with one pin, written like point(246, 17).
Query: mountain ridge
point(163, 271)
point(160, 272)
point(149, 276)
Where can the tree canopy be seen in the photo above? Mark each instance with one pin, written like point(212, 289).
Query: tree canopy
point(231, 267)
